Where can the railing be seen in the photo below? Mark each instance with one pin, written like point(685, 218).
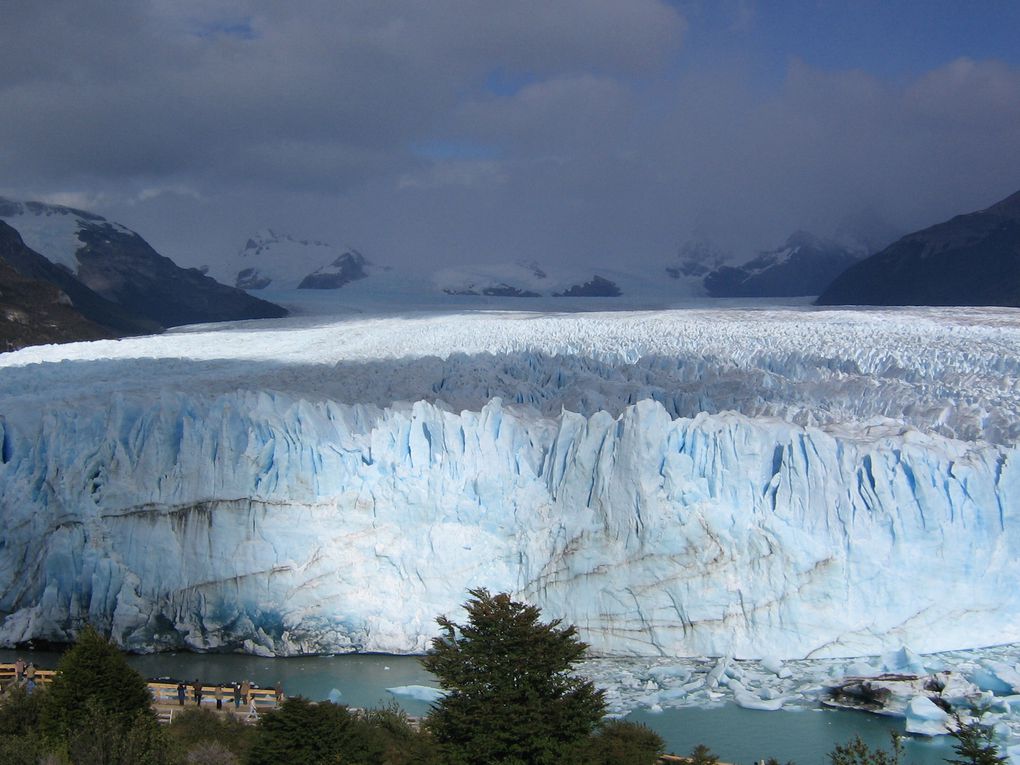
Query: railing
point(165, 698)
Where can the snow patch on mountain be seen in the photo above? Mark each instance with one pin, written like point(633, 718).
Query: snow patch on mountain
point(52, 230)
point(282, 262)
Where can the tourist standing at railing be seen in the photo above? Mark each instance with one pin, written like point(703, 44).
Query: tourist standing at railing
point(218, 695)
point(237, 696)
point(182, 693)
point(19, 669)
point(196, 687)
point(245, 691)
point(30, 673)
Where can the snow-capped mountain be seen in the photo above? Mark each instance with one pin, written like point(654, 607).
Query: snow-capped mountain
point(117, 264)
point(803, 265)
point(971, 259)
point(278, 261)
point(34, 311)
point(531, 279)
point(780, 483)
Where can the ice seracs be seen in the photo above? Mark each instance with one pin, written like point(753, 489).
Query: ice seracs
point(332, 486)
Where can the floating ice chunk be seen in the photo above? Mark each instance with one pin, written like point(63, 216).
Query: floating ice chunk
point(715, 674)
point(988, 680)
point(904, 660)
point(750, 701)
point(419, 692)
point(925, 718)
point(860, 669)
point(776, 667)
point(1007, 675)
point(671, 672)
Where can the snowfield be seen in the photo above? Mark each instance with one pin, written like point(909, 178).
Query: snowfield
point(758, 482)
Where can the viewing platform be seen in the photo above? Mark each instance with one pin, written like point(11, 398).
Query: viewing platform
point(166, 701)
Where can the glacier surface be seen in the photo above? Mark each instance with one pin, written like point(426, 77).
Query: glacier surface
point(748, 483)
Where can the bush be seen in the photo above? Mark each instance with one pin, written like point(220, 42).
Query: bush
point(194, 727)
point(302, 733)
point(618, 742)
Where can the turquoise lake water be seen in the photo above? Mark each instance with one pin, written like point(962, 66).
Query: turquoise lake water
point(737, 735)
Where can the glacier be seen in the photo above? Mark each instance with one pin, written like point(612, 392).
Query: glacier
point(780, 483)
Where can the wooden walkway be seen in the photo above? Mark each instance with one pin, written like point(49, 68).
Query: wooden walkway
point(166, 702)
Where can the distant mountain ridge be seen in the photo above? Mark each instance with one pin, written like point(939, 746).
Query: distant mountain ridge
point(970, 260)
point(803, 265)
point(117, 264)
point(270, 259)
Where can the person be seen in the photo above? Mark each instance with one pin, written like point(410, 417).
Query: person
point(245, 691)
point(218, 695)
point(19, 669)
point(253, 711)
point(196, 687)
point(237, 695)
point(29, 686)
point(30, 673)
point(279, 692)
point(182, 694)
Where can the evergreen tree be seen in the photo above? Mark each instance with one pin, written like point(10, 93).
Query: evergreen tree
point(511, 696)
point(95, 671)
point(974, 745)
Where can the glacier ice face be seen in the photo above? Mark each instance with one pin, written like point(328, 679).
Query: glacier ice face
point(273, 493)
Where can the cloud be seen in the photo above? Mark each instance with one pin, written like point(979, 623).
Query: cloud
point(461, 129)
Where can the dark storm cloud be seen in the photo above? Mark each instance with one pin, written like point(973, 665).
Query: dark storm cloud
point(459, 130)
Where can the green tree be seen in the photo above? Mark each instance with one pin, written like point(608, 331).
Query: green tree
point(511, 696)
point(974, 745)
point(93, 670)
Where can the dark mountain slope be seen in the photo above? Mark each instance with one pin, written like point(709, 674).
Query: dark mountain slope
point(93, 307)
point(971, 259)
point(34, 312)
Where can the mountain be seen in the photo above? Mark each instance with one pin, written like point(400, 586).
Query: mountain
point(804, 265)
point(972, 259)
point(117, 264)
point(525, 279)
point(597, 286)
point(281, 262)
point(117, 320)
point(34, 311)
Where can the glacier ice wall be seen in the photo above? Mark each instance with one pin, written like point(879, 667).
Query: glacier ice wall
point(273, 523)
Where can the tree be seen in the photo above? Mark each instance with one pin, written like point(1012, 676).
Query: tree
point(511, 696)
point(702, 755)
point(857, 752)
point(974, 745)
point(95, 671)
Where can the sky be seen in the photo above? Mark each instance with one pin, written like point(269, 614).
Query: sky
point(436, 133)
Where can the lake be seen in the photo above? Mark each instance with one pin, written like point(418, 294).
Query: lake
point(737, 735)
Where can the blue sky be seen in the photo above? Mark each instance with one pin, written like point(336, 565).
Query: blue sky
point(423, 133)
